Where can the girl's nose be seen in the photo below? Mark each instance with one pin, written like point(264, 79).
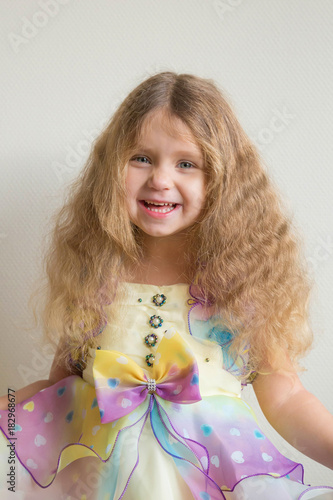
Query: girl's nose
point(160, 178)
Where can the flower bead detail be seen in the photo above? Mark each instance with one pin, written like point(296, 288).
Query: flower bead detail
point(155, 321)
point(159, 299)
point(151, 339)
point(151, 385)
point(150, 358)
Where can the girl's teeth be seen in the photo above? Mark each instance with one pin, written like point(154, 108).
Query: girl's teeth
point(159, 204)
point(163, 207)
point(161, 210)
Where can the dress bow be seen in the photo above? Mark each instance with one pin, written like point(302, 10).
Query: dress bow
point(121, 384)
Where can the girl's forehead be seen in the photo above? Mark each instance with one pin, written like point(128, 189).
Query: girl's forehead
point(171, 124)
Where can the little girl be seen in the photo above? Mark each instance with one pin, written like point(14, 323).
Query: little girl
point(174, 278)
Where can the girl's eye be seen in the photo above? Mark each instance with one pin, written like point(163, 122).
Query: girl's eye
point(187, 163)
point(139, 158)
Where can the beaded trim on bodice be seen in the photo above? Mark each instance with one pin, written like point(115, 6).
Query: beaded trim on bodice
point(155, 321)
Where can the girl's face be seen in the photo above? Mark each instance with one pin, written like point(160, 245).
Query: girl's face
point(165, 180)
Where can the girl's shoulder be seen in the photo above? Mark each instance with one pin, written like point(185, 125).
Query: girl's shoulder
point(58, 369)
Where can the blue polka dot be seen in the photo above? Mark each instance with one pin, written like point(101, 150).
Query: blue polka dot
point(60, 391)
point(113, 382)
point(204, 495)
point(69, 416)
point(94, 403)
point(206, 429)
point(258, 434)
point(18, 427)
point(92, 446)
point(101, 412)
point(288, 476)
point(194, 379)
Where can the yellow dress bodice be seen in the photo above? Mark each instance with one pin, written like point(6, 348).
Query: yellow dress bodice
point(129, 325)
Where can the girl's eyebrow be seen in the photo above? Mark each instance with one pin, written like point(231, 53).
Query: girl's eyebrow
point(181, 152)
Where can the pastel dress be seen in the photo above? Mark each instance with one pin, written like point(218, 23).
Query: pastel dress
point(157, 414)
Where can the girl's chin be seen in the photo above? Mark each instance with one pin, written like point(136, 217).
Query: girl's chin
point(148, 233)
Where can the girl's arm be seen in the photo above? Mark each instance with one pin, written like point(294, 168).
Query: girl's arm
point(296, 414)
point(25, 393)
point(57, 372)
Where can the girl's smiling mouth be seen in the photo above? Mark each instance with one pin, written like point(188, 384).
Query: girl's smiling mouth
point(158, 208)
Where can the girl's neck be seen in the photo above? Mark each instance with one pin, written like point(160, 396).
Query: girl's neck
point(163, 262)
point(161, 276)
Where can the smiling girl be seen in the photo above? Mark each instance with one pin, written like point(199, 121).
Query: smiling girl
point(174, 279)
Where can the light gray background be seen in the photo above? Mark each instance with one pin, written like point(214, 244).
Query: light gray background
point(66, 66)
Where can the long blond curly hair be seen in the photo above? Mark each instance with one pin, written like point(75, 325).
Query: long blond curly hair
point(244, 254)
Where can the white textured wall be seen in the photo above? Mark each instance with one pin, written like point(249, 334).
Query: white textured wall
point(67, 64)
